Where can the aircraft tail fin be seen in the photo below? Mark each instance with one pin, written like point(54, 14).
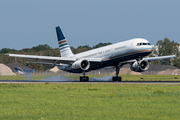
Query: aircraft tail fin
point(64, 48)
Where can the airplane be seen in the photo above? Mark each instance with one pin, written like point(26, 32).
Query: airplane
point(116, 55)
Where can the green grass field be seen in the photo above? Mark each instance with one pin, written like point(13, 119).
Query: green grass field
point(23, 77)
point(89, 101)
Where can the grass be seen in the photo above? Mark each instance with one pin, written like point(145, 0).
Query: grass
point(89, 101)
point(150, 77)
point(23, 77)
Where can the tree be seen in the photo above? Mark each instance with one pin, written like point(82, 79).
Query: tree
point(176, 62)
point(83, 49)
point(35, 66)
point(7, 50)
point(101, 45)
point(167, 47)
point(40, 48)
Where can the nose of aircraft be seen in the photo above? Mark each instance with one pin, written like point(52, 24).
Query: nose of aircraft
point(151, 47)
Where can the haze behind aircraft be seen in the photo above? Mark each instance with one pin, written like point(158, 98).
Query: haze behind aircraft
point(128, 52)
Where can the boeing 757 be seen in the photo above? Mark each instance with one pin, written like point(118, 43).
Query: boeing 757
point(131, 52)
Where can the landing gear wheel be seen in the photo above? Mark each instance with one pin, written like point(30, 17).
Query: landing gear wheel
point(84, 79)
point(118, 79)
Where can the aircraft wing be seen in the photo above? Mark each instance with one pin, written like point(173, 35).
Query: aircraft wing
point(153, 58)
point(45, 59)
point(161, 57)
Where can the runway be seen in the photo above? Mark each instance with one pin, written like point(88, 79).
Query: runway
point(93, 82)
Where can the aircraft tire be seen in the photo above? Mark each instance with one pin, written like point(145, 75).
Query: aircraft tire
point(84, 79)
point(117, 79)
point(80, 79)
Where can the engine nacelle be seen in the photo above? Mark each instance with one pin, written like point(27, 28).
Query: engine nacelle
point(63, 66)
point(83, 64)
point(140, 67)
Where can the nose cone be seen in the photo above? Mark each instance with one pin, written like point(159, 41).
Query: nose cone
point(151, 47)
point(148, 48)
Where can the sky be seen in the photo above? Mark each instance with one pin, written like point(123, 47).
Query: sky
point(29, 23)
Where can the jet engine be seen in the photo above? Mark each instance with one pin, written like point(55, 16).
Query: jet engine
point(140, 66)
point(82, 64)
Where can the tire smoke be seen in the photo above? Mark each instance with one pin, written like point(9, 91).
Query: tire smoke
point(105, 78)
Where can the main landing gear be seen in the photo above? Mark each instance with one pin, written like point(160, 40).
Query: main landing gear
point(116, 78)
point(84, 78)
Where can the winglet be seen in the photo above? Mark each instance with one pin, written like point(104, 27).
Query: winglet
point(60, 35)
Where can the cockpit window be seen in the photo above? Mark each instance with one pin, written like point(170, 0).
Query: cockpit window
point(139, 44)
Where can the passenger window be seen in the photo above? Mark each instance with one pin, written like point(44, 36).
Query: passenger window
point(138, 44)
point(144, 43)
point(141, 44)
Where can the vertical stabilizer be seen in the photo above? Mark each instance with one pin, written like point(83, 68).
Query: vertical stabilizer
point(64, 48)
